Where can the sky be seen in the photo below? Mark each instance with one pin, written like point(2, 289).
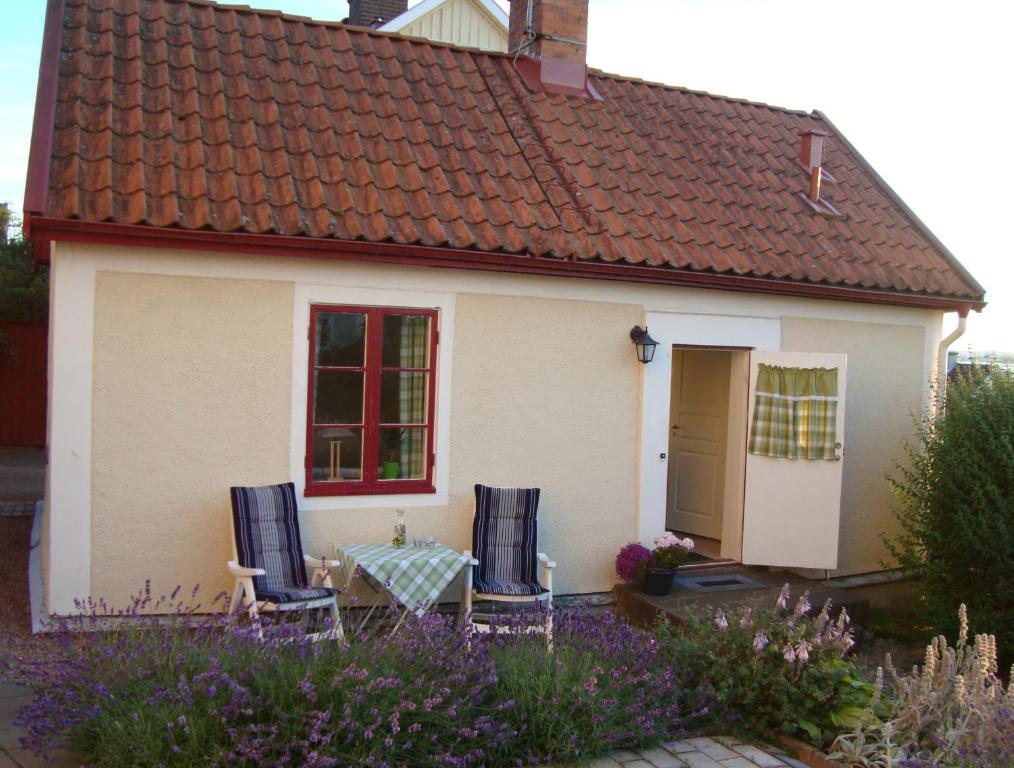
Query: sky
point(922, 89)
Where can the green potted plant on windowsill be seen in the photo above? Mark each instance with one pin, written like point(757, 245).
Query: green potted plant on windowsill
point(390, 467)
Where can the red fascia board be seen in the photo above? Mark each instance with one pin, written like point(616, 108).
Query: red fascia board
point(139, 236)
point(40, 150)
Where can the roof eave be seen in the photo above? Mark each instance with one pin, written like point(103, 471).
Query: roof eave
point(40, 149)
point(74, 230)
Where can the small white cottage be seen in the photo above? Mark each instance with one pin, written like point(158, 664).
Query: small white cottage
point(386, 269)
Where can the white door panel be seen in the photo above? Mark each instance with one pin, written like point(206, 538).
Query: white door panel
point(697, 442)
point(792, 506)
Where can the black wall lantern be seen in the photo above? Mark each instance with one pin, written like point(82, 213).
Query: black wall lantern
point(643, 343)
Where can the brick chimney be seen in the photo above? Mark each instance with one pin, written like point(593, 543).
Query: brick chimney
point(375, 13)
point(549, 38)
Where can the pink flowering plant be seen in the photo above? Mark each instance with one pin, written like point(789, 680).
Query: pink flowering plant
point(631, 559)
point(781, 668)
point(670, 552)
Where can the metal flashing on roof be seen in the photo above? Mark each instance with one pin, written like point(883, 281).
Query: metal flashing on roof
point(556, 76)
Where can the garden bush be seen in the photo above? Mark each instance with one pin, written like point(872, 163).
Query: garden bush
point(952, 712)
point(183, 690)
point(956, 504)
point(771, 670)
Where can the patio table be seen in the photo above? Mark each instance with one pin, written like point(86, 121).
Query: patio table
point(414, 576)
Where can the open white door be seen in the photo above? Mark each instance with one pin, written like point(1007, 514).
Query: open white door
point(792, 506)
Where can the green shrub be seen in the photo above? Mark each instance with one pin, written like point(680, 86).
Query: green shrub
point(769, 670)
point(956, 504)
point(24, 285)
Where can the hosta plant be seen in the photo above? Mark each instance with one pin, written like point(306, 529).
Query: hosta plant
point(772, 668)
point(954, 711)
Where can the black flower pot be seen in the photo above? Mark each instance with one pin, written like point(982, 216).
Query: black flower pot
point(657, 581)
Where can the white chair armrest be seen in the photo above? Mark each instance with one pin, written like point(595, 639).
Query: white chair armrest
point(320, 562)
point(544, 559)
point(471, 560)
point(240, 571)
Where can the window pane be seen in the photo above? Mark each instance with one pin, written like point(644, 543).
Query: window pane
point(337, 454)
point(341, 339)
point(402, 454)
point(406, 341)
point(403, 397)
point(339, 397)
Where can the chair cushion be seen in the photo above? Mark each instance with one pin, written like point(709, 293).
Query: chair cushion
point(519, 588)
point(296, 595)
point(504, 541)
point(266, 525)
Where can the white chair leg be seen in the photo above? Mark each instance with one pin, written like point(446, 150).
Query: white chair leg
point(337, 632)
point(466, 597)
point(237, 597)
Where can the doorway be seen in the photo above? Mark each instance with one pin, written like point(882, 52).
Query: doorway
point(707, 423)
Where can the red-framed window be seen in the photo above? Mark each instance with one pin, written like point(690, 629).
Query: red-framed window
point(370, 401)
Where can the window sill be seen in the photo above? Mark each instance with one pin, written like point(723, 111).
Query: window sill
point(345, 489)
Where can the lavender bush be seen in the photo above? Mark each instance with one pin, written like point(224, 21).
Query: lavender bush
point(604, 685)
point(186, 690)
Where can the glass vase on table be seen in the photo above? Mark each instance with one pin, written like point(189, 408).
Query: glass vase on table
point(400, 532)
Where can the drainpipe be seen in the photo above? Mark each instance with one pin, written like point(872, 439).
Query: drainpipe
point(942, 352)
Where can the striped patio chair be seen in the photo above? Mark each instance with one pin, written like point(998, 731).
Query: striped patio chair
point(504, 559)
point(268, 560)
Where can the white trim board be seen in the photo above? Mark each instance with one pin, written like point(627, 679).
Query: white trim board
point(69, 532)
point(669, 328)
point(304, 296)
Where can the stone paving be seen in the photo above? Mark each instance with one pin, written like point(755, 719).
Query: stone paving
point(12, 698)
point(716, 752)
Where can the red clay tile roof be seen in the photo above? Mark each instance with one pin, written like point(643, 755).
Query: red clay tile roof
point(186, 114)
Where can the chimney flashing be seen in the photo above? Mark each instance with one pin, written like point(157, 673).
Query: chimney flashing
point(556, 76)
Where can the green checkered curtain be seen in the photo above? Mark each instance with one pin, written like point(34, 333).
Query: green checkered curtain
point(794, 412)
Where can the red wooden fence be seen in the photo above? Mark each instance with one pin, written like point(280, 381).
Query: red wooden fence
point(23, 384)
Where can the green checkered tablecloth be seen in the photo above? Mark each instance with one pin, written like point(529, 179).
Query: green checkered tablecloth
point(415, 576)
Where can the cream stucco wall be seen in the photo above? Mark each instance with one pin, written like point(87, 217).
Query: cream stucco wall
point(191, 395)
point(886, 381)
point(519, 416)
point(194, 379)
point(556, 415)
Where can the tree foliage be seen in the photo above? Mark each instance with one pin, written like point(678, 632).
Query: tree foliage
point(24, 285)
point(956, 504)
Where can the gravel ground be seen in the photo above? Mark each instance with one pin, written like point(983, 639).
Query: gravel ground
point(16, 637)
point(22, 474)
